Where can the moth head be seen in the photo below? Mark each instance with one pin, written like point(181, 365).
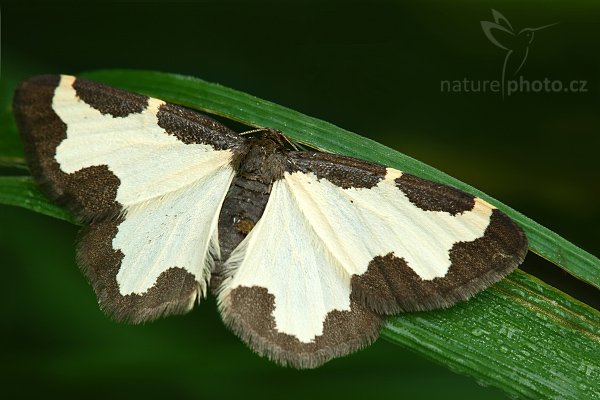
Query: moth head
point(262, 155)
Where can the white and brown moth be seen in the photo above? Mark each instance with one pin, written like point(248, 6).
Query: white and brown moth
point(306, 252)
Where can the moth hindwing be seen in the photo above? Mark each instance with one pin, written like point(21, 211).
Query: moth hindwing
point(306, 252)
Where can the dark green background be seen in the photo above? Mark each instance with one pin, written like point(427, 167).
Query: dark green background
point(374, 69)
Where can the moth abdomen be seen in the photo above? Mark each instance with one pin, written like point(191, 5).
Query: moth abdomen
point(242, 208)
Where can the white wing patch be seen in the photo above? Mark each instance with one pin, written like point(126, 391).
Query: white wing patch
point(314, 235)
point(177, 230)
point(283, 254)
point(357, 225)
point(147, 160)
point(171, 192)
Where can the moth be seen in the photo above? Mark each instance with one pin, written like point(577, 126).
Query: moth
point(306, 252)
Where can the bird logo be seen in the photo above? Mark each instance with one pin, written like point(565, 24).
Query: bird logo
point(516, 44)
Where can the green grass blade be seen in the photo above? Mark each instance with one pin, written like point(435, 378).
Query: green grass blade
point(521, 335)
point(22, 191)
point(219, 100)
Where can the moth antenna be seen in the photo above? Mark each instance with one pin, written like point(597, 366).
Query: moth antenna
point(292, 144)
point(279, 133)
point(253, 131)
point(301, 147)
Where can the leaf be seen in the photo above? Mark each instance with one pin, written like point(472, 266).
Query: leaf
point(23, 192)
point(520, 335)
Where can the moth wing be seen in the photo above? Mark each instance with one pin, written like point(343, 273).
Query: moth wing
point(341, 236)
point(149, 176)
point(284, 298)
point(96, 149)
point(409, 243)
point(157, 258)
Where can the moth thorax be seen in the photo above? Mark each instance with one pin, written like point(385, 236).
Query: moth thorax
point(263, 159)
